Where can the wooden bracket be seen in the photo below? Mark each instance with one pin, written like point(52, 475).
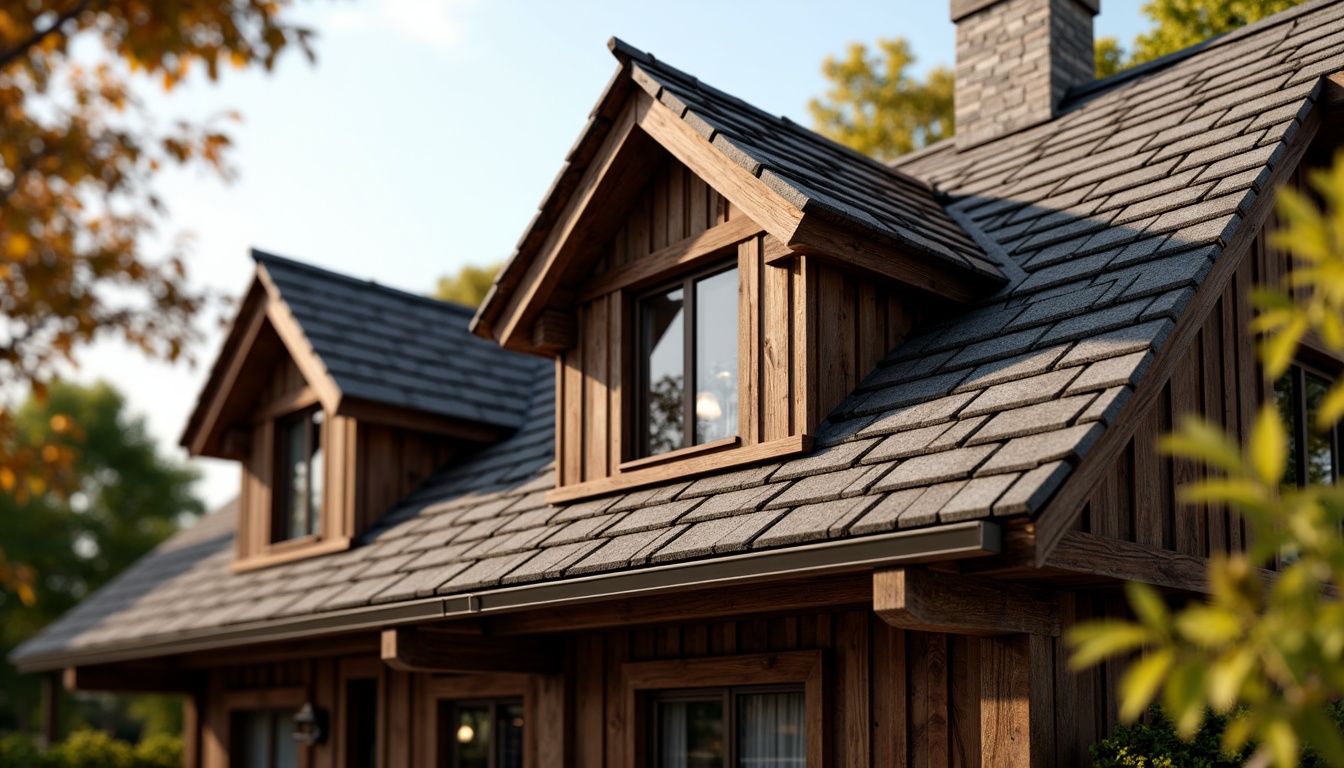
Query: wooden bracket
point(417, 649)
point(554, 331)
point(923, 600)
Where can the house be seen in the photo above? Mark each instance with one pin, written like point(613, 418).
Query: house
point(919, 443)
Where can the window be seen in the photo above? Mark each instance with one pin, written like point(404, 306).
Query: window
point(298, 494)
point(481, 734)
point(1313, 455)
point(753, 727)
point(688, 333)
point(263, 739)
point(361, 723)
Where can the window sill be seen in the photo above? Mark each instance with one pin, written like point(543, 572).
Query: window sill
point(681, 453)
point(683, 467)
point(289, 551)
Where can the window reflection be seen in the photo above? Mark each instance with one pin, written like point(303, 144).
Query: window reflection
point(716, 357)
point(739, 727)
point(664, 339)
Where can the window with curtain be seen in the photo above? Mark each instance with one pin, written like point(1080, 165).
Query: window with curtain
point(481, 734)
point(688, 362)
point(751, 727)
point(298, 497)
point(263, 738)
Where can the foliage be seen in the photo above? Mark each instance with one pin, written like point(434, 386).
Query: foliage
point(92, 749)
point(1276, 649)
point(129, 498)
point(1179, 24)
point(469, 286)
point(1155, 744)
point(875, 105)
point(78, 156)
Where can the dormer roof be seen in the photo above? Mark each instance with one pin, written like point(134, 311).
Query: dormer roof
point(810, 193)
point(367, 350)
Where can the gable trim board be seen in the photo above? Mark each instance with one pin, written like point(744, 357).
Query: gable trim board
point(1057, 517)
point(936, 544)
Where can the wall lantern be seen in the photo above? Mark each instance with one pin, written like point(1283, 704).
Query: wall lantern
point(310, 725)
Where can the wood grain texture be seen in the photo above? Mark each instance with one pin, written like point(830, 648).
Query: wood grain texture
point(925, 600)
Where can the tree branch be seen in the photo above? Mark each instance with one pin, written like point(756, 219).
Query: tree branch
point(37, 37)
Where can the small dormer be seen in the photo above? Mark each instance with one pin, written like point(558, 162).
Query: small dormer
point(338, 397)
point(712, 281)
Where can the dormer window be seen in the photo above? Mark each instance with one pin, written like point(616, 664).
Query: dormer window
point(689, 333)
point(298, 512)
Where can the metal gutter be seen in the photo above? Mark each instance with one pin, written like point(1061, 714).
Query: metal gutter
point(945, 542)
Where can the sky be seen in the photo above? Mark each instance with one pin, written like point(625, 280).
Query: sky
point(428, 130)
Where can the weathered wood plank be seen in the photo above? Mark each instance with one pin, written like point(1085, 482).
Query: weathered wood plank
point(921, 599)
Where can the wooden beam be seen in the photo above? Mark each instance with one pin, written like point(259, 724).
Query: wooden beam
point(868, 258)
point(420, 649)
point(926, 601)
point(780, 597)
point(1093, 555)
point(300, 349)
point(130, 679)
point(1060, 513)
point(744, 190)
point(665, 263)
point(554, 331)
point(247, 326)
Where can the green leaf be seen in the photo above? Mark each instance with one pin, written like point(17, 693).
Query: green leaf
point(1269, 447)
point(1200, 440)
point(1244, 493)
point(1280, 743)
point(1332, 407)
point(1208, 625)
point(1148, 606)
point(1141, 682)
point(1227, 675)
point(1099, 640)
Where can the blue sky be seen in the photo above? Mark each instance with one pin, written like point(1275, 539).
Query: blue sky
point(427, 131)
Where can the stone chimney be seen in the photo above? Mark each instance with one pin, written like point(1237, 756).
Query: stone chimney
point(1015, 61)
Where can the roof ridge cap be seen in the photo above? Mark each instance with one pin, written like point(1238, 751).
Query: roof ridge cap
point(263, 257)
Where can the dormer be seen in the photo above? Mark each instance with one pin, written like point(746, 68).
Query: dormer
point(338, 397)
point(712, 280)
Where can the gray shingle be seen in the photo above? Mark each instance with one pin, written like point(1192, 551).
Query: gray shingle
point(551, 562)
point(1042, 417)
point(659, 516)
point(826, 460)
point(622, 551)
point(1107, 405)
point(884, 515)
point(1018, 367)
point(818, 488)
point(916, 416)
point(1032, 490)
point(484, 573)
point(724, 534)
point(1025, 453)
point(976, 498)
point(935, 468)
point(1123, 341)
point(732, 503)
point(1112, 372)
point(1015, 394)
point(812, 522)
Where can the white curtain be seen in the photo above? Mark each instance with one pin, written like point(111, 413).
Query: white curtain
point(672, 742)
point(771, 731)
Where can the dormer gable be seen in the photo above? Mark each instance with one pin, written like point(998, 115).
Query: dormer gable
point(338, 397)
point(673, 182)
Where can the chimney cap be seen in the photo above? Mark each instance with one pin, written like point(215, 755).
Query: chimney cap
point(963, 8)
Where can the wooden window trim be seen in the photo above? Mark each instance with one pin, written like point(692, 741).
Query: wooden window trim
point(727, 696)
point(682, 453)
point(1299, 371)
point(684, 468)
point(468, 688)
point(280, 491)
point(807, 668)
point(275, 554)
point(266, 700)
point(358, 669)
point(718, 242)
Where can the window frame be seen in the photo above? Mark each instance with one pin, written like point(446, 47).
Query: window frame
point(645, 682)
point(637, 455)
point(448, 756)
point(281, 514)
point(728, 695)
point(477, 688)
point(272, 700)
point(1299, 430)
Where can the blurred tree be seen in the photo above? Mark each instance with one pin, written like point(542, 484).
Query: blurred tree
point(469, 286)
point(128, 499)
point(78, 155)
point(875, 105)
point(1278, 649)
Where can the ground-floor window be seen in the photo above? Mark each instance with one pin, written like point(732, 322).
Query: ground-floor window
point(481, 734)
point(751, 727)
point(263, 738)
point(1313, 453)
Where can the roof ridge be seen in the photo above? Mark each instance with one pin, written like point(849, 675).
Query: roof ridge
point(264, 257)
point(1096, 87)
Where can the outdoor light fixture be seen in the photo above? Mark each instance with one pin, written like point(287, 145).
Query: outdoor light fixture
point(310, 725)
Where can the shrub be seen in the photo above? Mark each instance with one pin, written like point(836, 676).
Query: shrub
point(1155, 744)
point(92, 749)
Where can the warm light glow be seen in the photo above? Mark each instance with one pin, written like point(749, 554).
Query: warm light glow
point(465, 734)
point(707, 407)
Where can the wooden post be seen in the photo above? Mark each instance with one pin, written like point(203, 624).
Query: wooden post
point(51, 709)
point(1016, 701)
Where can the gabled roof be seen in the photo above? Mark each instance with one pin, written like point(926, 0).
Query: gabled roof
point(1108, 219)
point(807, 191)
point(360, 344)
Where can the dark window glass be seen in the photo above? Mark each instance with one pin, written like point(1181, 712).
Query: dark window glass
point(299, 497)
point(361, 723)
point(1313, 453)
point(482, 734)
point(740, 727)
point(688, 362)
point(263, 739)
